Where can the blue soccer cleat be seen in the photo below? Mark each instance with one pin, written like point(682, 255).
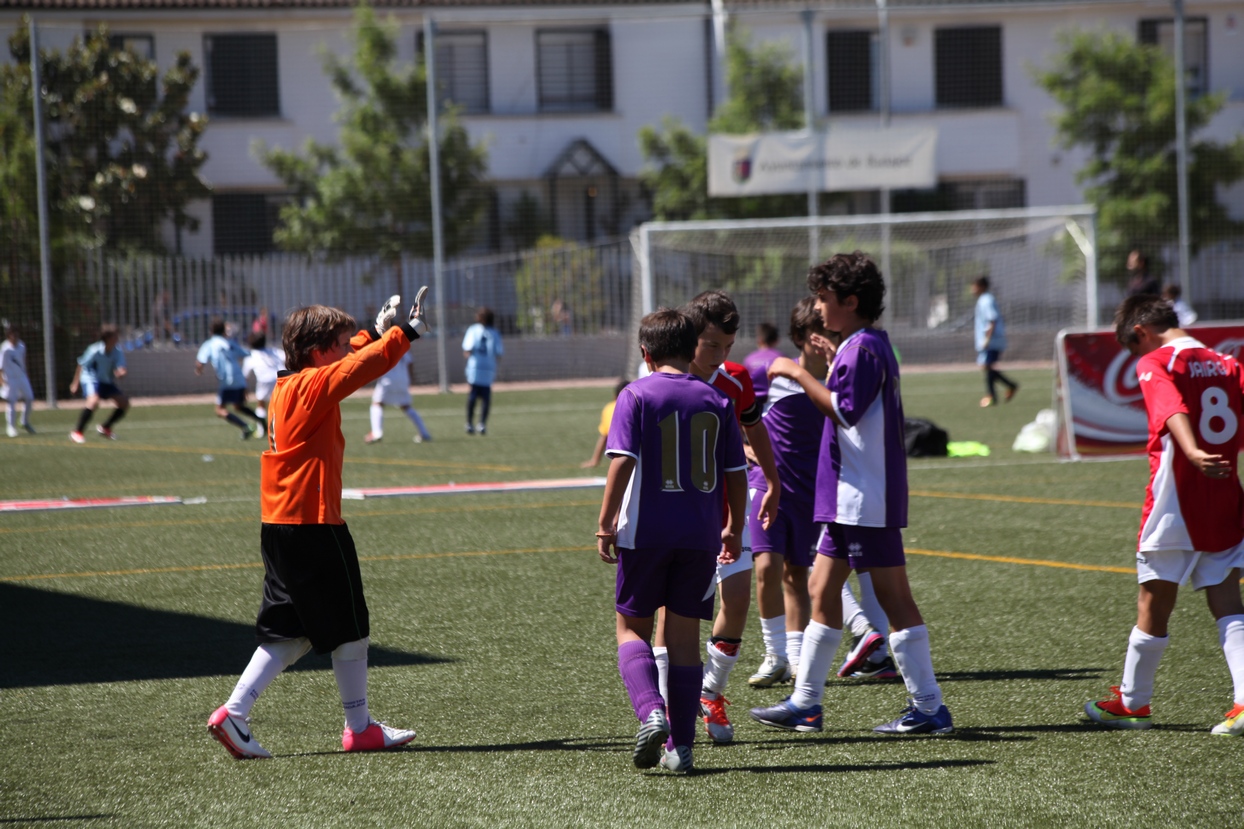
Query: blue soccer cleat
point(915, 721)
point(787, 716)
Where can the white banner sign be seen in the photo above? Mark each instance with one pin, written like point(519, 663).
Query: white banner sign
point(843, 159)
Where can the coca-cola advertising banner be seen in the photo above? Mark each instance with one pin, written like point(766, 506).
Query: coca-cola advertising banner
point(1102, 411)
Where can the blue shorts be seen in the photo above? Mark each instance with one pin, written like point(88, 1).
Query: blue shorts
point(654, 577)
point(792, 535)
point(235, 396)
point(987, 357)
point(106, 391)
point(863, 547)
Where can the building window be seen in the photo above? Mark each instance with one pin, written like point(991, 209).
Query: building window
point(1196, 48)
point(242, 75)
point(854, 82)
point(968, 66)
point(243, 223)
point(967, 194)
point(574, 69)
point(142, 45)
point(461, 68)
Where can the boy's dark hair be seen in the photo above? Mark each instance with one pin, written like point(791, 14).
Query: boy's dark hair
point(315, 327)
point(257, 339)
point(668, 334)
point(621, 384)
point(805, 320)
point(484, 316)
point(714, 307)
point(767, 333)
point(1142, 309)
point(107, 330)
point(851, 274)
point(217, 326)
point(981, 282)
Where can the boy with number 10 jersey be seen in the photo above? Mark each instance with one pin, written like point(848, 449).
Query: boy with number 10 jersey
point(1192, 527)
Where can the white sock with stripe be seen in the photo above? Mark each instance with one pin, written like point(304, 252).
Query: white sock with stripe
point(915, 662)
point(266, 664)
point(820, 644)
point(1140, 667)
point(774, 632)
point(1231, 636)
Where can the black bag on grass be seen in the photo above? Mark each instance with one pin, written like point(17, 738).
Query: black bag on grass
point(924, 438)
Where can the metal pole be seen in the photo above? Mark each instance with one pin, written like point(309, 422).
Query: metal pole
point(1090, 272)
point(1181, 153)
point(45, 247)
point(883, 81)
point(434, 173)
point(719, 52)
point(809, 120)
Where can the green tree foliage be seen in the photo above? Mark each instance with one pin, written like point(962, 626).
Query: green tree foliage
point(371, 194)
point(765, 95)
point(560, 276)
point(121, 146)
point(1118, 99)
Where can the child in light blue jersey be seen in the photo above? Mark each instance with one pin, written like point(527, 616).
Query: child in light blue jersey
point(99, 368)
point(225, 357)
point(482, 348)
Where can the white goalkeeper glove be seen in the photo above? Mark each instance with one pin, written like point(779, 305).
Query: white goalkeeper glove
point(387, 316)
point(417, 312)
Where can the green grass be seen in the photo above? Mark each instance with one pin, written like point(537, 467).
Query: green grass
point(492, 631)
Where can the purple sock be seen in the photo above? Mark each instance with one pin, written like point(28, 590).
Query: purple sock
point(684, 704)
point(639, 673)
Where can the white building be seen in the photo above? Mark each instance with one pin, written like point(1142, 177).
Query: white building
point(559, 92)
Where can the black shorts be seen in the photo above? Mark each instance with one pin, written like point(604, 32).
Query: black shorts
point(311, 586)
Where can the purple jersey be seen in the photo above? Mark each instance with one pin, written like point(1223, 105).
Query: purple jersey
point(684, 436)
point(861, 476)
point(757, 364)
point(795, 426)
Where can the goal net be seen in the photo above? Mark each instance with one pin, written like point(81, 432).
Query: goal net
point(1039, 262)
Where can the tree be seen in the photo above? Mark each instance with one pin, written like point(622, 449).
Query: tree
point(1118, 99)
point(371, 194)
point(121, 146)
point(765, 95)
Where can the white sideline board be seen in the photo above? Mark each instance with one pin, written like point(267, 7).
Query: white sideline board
point(463, 489)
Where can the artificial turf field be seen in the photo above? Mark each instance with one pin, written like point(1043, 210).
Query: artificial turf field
point(492, 636)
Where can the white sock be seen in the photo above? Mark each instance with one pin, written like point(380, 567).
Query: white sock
point(267, 662)
point(853, 617)
point(663, 672)
point(261, 411)
point(872, 607)
point(774, 631)
point(794, 646)
point(377, 420)
point(814, 663)
point(1144, 652)
point(1231, 635)
point(417, 420)
point(351, 677)
point(915, 662)
point(717, 669)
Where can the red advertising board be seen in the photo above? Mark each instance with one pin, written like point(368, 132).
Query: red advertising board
point(1101, 412)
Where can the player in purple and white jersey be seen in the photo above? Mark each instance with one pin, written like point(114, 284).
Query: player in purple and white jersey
point(674, 444)
point(757, 363)
point(861, 496)
point(785, 550)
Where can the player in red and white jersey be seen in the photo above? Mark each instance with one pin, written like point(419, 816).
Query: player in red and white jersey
point(1193, 521)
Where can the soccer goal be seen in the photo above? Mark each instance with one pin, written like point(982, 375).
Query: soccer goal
point(1040, 262)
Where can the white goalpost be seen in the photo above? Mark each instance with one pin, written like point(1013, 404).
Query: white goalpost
point(1041, 263)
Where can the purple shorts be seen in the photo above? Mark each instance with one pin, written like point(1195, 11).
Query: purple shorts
point(863, 547)
point(792, 535)
point(655, 577)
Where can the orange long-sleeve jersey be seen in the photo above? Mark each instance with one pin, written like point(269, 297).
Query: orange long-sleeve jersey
point(300, 472)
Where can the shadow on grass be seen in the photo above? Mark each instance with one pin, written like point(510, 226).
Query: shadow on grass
point(959, 735)
point(1061, 674)
point(608, 744)
point(59, 639)
point(913, 765)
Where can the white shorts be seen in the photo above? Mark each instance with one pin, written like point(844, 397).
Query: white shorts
point(18, 388)
point(391, 395)
point(744, 562)
point(1205, 569)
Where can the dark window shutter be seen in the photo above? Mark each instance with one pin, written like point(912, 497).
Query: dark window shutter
point(242, 75)
point(1149, 32)
point(604, 71)
point(968, 66)
point(848, 58)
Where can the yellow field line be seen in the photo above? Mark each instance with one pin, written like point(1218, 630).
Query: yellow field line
point(250, 518)
point(1031, 562)
point(1024, 499)
point(198, 568)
